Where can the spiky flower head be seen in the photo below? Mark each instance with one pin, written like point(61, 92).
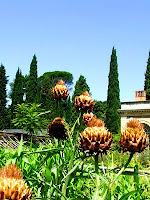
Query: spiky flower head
point(95, 140)
point(56, 129)
point(95, 122)
point(84, 102)
point(60, 91)
point(87, 117)
point(133, 138)
point(134, 123)
point(12, 185)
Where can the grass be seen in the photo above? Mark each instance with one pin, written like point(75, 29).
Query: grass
point(60, 171)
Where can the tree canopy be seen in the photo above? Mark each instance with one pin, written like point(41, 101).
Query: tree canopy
point(48, 79)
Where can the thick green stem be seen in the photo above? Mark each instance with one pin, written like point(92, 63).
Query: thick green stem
point(96, 170)
point(77, 121)
point(125, 166)
point(64, 187)
point(117, 175)
point(97, 177)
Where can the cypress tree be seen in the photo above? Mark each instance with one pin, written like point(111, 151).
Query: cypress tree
point(32, 86)
point(147, 79)
point(17, 91)
point(3, 101)
point(81, 86)
point(113, 121)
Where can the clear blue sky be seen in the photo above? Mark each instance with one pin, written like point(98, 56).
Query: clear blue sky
point(78, 36)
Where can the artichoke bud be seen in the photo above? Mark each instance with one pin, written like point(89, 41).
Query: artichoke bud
point(60, 91)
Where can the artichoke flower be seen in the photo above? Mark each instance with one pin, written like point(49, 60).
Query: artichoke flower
point(57, 129)
point(133, 138)
point(134, 123)
point(84, 102)
point(95, 140)
point(12, 185)
point(95, 122)
point(60, 91)
point(87, 117)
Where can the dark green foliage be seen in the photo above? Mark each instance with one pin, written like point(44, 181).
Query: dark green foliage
point(68, 110)
point(147, 79)
point(25, 83)
point(81, 86)
point(45, 84)
point(3, 101)
point(100, 110)
point(32, 86)
point(113, 121)
point(17, 91)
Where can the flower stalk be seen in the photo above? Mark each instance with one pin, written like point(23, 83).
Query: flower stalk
point(73, 149)
point(64, 187)
point(118, 174)
point(97, 176)
point(124, 167)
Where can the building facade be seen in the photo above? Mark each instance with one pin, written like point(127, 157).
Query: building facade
point(138, 109)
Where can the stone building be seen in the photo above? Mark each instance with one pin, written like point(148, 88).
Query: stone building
point(138, 109)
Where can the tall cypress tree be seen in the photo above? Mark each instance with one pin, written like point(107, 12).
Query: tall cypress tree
point(32, 86)
point(3, 101)
point(17, 91)
point(147, 79)
point(81, 86)
point(113, 121)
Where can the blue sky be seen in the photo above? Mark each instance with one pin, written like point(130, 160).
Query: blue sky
point(78, 36)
